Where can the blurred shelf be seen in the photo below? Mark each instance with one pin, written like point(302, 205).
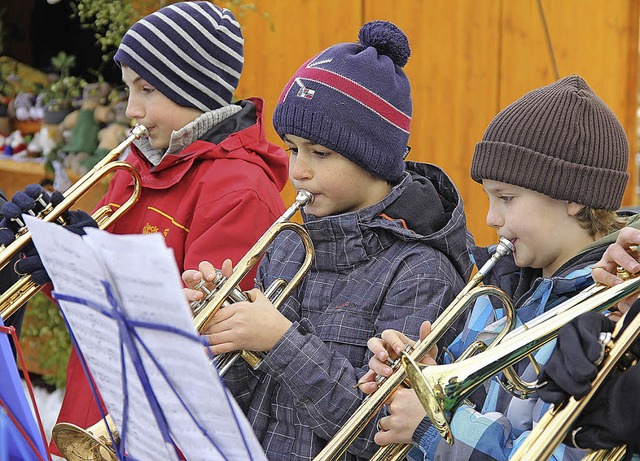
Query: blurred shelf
point(15, 175)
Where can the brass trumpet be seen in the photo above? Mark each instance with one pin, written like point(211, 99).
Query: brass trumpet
point(21, 291)
point(226, 290)
point(556, 423)
point(93, 443)
point(370, 406)
point(442, 388)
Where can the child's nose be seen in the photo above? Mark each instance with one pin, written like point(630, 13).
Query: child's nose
point(494, 219)
point(134, 110)
point(300, 168)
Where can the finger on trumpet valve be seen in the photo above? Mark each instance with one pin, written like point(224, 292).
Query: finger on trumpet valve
point(623, 273)
point(394, 364)
point(201, 286)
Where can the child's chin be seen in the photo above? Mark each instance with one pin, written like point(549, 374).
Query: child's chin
point(158, 145)
point(315, 212)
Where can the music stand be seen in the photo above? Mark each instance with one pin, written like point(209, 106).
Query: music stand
point(140, 346)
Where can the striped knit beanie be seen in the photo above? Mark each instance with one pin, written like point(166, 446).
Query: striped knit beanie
point(561, 140)
point(192, 52)
point(355, 99)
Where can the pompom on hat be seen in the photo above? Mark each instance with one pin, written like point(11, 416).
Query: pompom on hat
point(560, 140)
point(192, 52)
point(355, 99)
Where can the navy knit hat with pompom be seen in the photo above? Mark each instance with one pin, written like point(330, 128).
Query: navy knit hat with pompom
point(355, 99)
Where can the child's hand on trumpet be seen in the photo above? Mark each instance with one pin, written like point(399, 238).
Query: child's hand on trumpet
point(404, 409)
point(254, 325)
point(387, 349)
point(206, 271)
point(623, 254)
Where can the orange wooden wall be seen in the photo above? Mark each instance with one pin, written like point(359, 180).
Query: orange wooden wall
point(470, 58)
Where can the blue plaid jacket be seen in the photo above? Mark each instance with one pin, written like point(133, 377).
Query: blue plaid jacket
point(370, 273)
point(503, 422)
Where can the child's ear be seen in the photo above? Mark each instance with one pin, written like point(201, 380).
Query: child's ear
point(574, 208)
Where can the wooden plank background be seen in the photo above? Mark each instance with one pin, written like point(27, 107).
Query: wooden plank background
point(470, 58)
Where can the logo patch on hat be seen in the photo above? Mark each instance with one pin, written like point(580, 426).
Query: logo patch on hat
point(306, 93)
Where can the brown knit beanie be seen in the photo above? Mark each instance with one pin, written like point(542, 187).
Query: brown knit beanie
point(561, 140)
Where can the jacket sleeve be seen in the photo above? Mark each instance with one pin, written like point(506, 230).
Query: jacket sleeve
point(226, 229)
point(322, 380)
point(486, 437)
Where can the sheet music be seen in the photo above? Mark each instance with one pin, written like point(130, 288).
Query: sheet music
point(201, 416)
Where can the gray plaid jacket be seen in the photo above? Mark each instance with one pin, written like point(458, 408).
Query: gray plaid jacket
point(371, 272)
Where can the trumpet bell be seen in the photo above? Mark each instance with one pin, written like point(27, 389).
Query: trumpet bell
point(431, 396)
point(91, 444)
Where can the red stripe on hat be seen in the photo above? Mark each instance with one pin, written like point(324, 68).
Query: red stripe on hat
point(287, 87)
point(360, 94)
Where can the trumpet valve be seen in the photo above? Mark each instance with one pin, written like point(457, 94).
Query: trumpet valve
point(620, 271)
point(395, 365)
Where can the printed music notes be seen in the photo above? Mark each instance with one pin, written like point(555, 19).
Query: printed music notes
point(122, 297)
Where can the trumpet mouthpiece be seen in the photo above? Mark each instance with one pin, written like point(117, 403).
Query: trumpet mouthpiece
point(304, 197)
point(504, 246)
point(139, 131)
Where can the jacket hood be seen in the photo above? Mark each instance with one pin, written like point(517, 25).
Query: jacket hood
point(240, 136)
point(424, 207)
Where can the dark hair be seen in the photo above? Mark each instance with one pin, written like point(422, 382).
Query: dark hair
point(599, 222)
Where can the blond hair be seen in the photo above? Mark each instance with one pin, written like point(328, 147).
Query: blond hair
point(599, 222)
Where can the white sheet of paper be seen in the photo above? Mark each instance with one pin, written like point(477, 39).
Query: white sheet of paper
point(202, 417)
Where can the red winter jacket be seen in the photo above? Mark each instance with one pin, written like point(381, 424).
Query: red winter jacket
point(212, 201)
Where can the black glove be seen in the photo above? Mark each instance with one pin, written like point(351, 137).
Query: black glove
point(571, 366)
point(32, 201)
point(76, 220)
point(611, 417)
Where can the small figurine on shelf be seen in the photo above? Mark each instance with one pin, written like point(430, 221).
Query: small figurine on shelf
point(118, 126)
point(84, 127)
point(22, 104)
point(42, 144)
point(14, 144)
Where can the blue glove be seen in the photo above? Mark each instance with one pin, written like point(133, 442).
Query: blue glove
point(75, 221)
point(32, 265)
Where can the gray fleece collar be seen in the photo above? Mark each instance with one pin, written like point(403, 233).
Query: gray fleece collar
point(187, 134)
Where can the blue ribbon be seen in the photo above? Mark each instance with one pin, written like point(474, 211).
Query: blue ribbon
point(130, 340)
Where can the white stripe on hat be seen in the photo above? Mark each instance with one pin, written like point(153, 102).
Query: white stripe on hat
point(225, 15)
point(188, 58)
point(185, 76)
point(170, 84)
point(223, 46)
